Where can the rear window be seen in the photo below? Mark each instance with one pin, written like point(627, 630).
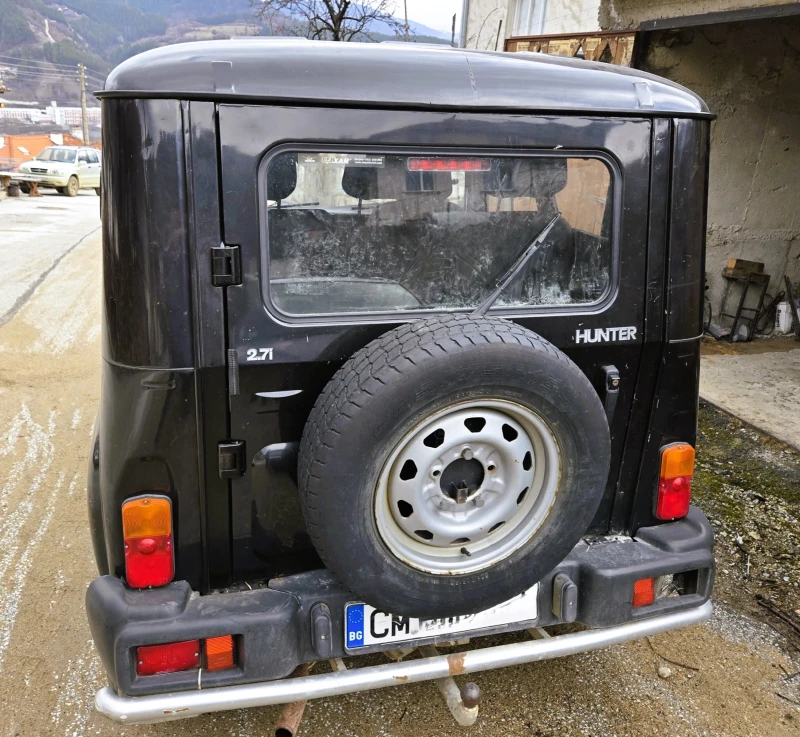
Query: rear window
point(372, 232)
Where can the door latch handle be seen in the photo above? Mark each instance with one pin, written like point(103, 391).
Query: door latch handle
point(611, 383)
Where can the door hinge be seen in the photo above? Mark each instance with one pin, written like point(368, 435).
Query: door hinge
point(231, 459)
point(233, 372)
point(226, 265)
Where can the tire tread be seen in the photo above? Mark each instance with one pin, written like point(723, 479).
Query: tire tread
point(337, 403)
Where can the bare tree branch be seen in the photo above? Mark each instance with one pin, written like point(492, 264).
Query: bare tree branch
point(335, 20)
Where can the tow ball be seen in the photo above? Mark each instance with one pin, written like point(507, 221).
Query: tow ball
point(462, 701)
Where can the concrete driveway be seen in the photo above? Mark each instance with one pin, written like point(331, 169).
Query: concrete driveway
point(758, 382)
point(728, 677)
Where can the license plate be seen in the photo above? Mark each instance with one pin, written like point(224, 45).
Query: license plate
point(365, 625)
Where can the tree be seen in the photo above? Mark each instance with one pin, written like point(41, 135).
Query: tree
point(335, 20)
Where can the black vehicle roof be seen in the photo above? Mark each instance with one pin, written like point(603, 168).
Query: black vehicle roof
point(395, 75)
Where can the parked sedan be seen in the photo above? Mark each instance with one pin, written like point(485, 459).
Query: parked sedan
point(67, 168)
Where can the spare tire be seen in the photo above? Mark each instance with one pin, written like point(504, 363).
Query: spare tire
point(451, 464)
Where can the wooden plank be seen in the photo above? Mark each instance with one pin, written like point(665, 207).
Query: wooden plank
point(744, 265)
point(755, 276)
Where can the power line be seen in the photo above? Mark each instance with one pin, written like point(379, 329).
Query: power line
point(19, 68)
point(31, 67)
point(39, 76)
point(96, 72)
point(59, 67)
point(53, 76)
point(36, 61)
point(33, 77)
point(26, 73)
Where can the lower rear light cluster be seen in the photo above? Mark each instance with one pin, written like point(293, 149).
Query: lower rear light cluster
point(174, 657)
point(647, 591)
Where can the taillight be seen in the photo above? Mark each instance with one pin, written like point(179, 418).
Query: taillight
point(169, 658)
point(173, 657)
point(147, 530)
point(675, 482)
point(644, 592)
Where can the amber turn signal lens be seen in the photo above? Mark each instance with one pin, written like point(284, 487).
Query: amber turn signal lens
point(644, 592)
point(146, 517)
point(219, 652)
point(677, 460)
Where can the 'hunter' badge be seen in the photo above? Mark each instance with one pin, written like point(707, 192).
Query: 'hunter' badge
point(605, 335)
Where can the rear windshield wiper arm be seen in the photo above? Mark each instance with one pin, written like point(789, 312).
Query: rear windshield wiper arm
point(519, 264)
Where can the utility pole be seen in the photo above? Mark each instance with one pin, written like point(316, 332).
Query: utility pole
point(453, 31)
point(405, 7)
point(84, 116)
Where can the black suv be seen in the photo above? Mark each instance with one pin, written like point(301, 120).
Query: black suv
point(401, 347)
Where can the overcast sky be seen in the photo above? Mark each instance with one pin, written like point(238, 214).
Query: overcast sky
point(437, 14)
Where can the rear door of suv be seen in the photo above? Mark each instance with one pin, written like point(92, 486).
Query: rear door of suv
point(282, 349)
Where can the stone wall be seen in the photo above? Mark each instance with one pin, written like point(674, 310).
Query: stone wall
point(621, 14)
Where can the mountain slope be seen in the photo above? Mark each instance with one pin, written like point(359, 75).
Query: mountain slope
point(56, 36)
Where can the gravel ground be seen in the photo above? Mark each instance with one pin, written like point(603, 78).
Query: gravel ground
point(734, 676)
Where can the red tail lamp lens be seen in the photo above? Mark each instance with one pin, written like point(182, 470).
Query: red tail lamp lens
point(445, 164)
point(675, 483)
point(170, 658)
point(219, 652)
point(644, 592)
point(147, 529)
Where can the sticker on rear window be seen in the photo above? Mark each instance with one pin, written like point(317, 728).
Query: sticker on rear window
point(367, 160)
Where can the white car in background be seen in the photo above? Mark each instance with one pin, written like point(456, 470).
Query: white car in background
point(67, 168)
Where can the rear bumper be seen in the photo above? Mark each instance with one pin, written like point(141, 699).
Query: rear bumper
point(273, 624)
point(165, 707)
point(49, 180)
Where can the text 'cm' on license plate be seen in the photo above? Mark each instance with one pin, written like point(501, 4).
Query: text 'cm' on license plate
point(365, 625)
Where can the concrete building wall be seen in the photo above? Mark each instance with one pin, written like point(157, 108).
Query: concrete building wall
point(749, 74)
point(571, 16)
point(483, 18)
point(621, 14)
point(536, 17)
point(526, 18)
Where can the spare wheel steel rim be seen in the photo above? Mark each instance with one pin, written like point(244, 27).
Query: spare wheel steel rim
point(467, 487)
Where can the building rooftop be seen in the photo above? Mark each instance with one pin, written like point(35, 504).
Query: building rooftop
point(394, 75)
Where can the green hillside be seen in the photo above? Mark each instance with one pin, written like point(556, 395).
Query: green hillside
point(41, 42)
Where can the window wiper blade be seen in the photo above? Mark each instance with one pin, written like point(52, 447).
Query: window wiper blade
point(519, 264)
